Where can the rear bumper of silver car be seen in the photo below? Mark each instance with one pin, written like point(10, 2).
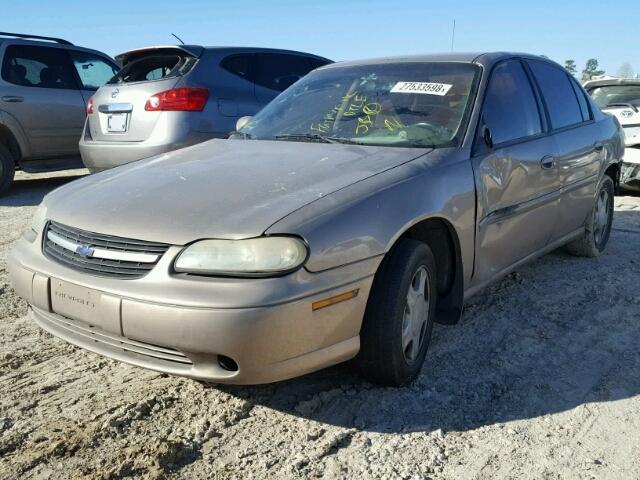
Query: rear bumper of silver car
point(197, 327)
point(102, 155)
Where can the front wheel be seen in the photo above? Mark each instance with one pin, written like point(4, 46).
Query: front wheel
point(598, 226)
point(399, 317)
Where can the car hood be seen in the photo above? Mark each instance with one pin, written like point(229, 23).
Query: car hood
point(216, 189)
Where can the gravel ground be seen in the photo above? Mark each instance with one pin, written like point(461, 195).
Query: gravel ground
point(539, 380)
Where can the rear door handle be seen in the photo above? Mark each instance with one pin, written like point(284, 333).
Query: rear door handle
point(598, 147)
point(548, 162)
point(12, 99)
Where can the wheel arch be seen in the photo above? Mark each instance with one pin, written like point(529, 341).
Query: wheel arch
point(443, 240)
point(8, 139)
point(613, 171)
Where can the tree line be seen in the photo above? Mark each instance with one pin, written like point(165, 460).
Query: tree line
point(592, 69)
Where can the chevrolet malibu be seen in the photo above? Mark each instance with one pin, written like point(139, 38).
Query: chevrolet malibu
point(363, 204)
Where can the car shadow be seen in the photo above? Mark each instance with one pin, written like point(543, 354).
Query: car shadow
point(29, 191)
point(559, 333)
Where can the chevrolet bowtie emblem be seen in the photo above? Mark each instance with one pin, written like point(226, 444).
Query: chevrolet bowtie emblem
point(85, 251)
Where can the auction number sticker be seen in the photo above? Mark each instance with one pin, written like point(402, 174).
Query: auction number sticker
point(426, 88)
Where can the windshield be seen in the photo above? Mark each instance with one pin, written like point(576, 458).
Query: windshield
point(616, 94)
point(400, 104)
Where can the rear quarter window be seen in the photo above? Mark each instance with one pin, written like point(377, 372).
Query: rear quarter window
point(582, 100)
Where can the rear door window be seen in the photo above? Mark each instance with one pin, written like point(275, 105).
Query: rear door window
point(93, 70)
point(560, 97)
point(44, 67)
point(154, 67)
point(510, 108)
point(279, 71)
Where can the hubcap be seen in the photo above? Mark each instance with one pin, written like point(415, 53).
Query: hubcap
point(416, 311)
point(601, 215)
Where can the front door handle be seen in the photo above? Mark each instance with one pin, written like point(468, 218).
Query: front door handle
point(548, 162)
point(12, 99)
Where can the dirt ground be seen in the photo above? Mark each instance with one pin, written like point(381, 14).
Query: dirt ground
point(540, 379)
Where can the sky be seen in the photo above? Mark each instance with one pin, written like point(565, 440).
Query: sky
point(345, 29)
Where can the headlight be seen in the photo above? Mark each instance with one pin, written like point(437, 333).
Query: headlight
point(261, 256)
point(39, 218)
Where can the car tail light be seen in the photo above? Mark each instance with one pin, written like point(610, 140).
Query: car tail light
point(90, 106)
point(178, 99)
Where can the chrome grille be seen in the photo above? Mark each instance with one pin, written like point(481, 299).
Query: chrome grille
point(112, 257)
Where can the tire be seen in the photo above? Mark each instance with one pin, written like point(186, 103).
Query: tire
point(598, 225)
point(386, 356)
point(7, 169)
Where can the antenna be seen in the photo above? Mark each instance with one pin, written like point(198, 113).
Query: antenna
point(179, 39)
point(453, 34)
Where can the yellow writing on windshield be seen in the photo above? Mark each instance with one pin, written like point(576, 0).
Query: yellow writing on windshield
point(354, 105)
point(370, 110)
point(393, 124)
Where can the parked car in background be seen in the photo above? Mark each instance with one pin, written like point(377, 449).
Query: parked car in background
point(44, 86)
point(342, 221)
point(621, 98)
point(166, 98)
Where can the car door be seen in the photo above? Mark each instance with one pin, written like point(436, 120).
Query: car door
point(578, 151)
point(516, 181)
point(44, 98)
point(275, 72)
point(93, 71)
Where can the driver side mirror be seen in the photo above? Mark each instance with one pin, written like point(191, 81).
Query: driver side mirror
point(242, 121)
point(486, 136)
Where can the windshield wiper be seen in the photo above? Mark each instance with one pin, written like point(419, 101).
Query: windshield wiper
point(312, 137)
point(315, 137)
point(348, 141)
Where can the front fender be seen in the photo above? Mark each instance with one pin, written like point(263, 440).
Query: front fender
point(365, 219)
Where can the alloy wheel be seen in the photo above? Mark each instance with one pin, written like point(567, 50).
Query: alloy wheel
point(416, 311)
point(601, 215)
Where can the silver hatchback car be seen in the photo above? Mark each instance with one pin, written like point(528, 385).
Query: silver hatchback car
point(166, 98)
point(365, 203)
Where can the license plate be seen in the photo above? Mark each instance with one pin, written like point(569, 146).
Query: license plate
point(74, 301)
point(117, 122)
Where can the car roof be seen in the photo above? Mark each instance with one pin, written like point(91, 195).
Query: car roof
point(198, 49)
point(45, 43)
point(486, 59)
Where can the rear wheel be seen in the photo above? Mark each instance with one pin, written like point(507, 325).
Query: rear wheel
point(598, 226)
point(399, 317)
point(7, 169)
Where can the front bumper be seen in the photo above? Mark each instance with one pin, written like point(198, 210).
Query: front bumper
point(185, 325)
